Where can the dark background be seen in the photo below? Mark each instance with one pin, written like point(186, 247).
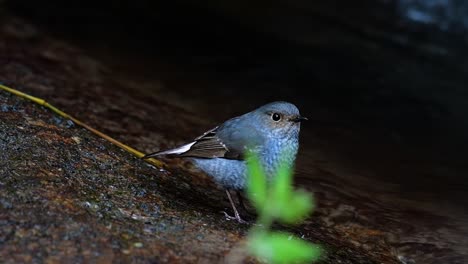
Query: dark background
point(396, 65)
point(393, 72)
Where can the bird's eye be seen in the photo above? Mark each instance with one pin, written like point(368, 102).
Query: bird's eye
point(276, 117)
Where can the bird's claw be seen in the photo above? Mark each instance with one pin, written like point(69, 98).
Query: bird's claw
point(235, 217)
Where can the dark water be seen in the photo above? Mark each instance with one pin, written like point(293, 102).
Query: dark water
point(384, 86)
point(448, 15)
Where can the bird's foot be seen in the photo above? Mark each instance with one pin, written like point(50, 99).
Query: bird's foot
point(235, 217)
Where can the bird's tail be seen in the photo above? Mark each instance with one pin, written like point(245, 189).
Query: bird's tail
point(175, 151)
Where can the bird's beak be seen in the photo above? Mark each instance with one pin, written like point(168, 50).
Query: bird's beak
point(299, 119)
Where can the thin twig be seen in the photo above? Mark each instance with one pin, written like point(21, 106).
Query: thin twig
point(44, 103)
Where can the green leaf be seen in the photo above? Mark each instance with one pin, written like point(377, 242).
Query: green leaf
point(282, 248)
point(288, 206)
point(298, 207)
point(256, 182)
point(282, 183)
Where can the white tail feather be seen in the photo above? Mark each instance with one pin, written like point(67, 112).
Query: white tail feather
point(175, 151)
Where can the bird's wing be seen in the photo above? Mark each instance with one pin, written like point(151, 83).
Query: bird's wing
point(207, 145)
point(226, 141)
point(238, 135)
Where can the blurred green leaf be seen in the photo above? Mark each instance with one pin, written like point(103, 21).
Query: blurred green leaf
point(283, 248)
point(278, 201)
point(256, 183)
point(281, 185)
point(297, 208)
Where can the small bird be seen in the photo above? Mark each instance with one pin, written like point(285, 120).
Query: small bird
point(271, 132)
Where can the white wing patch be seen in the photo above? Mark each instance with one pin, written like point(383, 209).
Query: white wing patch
point(179, 150)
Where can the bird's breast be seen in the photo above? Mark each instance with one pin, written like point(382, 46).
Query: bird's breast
point(278, 153)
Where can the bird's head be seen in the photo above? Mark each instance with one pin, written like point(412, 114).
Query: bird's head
point(279, 119)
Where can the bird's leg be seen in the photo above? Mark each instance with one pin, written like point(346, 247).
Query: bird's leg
point(241, 202)
point(236, 213)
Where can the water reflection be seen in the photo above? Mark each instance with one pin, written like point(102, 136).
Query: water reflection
point(449, 15)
